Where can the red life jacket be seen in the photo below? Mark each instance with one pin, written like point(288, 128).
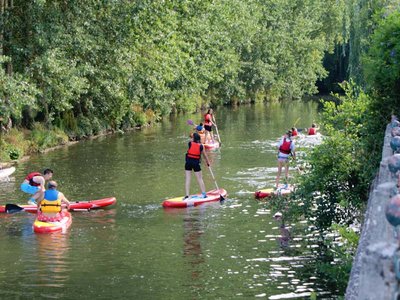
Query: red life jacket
point(285, 147)
point(30, 176)
point(194, 150)
point(207, 119)
point(312, 131)
point(294, 133)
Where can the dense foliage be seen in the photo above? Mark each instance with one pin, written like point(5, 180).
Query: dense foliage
point(91, 65)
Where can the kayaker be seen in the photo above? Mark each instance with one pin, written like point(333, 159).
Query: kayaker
point(208, 123)
point(201, 131)
point(50, 208)
point(33, 184)
point(193, 159)
point(313, 129)
point(286, 148)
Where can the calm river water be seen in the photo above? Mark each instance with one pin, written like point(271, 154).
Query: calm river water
point(138, 250)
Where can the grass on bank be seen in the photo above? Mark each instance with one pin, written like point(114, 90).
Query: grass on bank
point(17, 143)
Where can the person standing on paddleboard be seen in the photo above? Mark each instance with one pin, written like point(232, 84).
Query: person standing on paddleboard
point(193, 159)
point(208, 123)
point(34, 184)
point(286, 148)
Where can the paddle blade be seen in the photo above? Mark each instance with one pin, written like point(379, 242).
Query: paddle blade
point(13, 208)
point(189, 122)
point(221, 198)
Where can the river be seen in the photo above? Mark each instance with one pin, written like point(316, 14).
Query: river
point(137, 249)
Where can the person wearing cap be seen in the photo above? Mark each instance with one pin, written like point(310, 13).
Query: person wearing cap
point(33, 184)
point(193, 159)
point(50, 208)
point(201, 131)
point(286, 148)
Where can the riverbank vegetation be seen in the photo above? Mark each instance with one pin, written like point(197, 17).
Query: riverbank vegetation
point(91, 67)
point(335, 189)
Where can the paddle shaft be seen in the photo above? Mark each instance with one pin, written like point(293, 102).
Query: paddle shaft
point(221, 198)
point(212, 175)
point(216, 128)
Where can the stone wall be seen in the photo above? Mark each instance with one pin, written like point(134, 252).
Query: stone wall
point(373, 274)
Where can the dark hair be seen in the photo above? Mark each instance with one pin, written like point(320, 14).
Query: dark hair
point(196, 137)
point(201, 124)
point(313, 125)
point(293, 128)
point(48, 171)
point(289, 133)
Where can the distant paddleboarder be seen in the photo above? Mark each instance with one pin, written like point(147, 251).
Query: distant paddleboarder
point(286, 148)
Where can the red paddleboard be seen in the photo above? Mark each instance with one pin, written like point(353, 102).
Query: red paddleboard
point(212, 145)
point(92, 204)
point(282, 190)
point(194, 200)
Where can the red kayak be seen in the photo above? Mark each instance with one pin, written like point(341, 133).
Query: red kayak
point(212, 145)
point(282, 190)
point(78, 205)
point(194, 200)
point(50, 227)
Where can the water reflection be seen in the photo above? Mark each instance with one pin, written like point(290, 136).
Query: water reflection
point(52, 254)
point(192, 232)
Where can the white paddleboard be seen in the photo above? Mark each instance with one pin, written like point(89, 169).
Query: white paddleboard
point(4, 173)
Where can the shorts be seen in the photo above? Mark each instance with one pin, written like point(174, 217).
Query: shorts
point(283, 157)
point(29, 189)
point(208, 128)
point(191, 165)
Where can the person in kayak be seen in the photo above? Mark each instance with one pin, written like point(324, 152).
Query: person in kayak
point(286, 148)
point(313, 129)
point(201, 131)
point(193, 159)
point(33, 184)
point(208, 123)
point(50, 208)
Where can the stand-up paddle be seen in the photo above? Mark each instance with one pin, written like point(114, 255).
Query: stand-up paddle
point(216, 128)
point(221, 198)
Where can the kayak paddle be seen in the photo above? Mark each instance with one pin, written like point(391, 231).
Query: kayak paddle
point(13, 208)
point(221, 198)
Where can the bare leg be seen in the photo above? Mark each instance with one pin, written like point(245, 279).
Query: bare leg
point(200, 181)
point(287, 171)
point(280, 163)
point(38, 196)
point(188, 175)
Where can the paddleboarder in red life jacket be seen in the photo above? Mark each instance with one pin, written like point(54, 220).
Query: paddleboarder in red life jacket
point(33, 184)
point(50, 208)
point(208, 123)
point(193, 159)
point(294, 132)
point(286, 148)
point(313, 129)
